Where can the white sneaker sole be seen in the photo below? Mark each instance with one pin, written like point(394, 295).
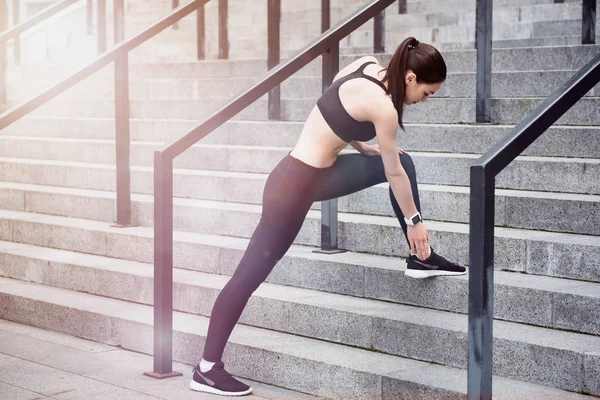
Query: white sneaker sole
point(422, 274)
point(199, 387)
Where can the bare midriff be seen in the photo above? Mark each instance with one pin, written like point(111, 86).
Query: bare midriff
point(318, 145)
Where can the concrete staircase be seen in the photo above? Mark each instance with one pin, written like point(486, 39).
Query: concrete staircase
point(449, 25)
point(346, 326)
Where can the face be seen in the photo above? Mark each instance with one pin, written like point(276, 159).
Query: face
point(417, 92)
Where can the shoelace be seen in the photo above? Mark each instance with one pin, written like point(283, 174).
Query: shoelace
point(441, 259)
point(408, 258)
point(222, 373)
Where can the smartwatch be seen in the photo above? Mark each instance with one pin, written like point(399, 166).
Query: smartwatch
point(415, 219)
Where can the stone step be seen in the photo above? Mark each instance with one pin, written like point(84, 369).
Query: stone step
point(254, 18)
point(82, 368)
point(505, 84)
point(424, 6)
point(436, 110)
point(249, 49)
point(466, 33)
point(186, 51)
point(434, 35)
point(254, 8)
point(458, 61)
point(69, 37)
point(251, 37)
point(553, 174)
point(550, 211)
point(557, 141)
point(554, 41)
point(362, 323)
point(308, 21)
point(535, 300)
point(445, 38)
point(548, 12)
point(291, 359)
point(536, 252)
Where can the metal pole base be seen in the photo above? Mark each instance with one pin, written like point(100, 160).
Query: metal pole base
point(163, 376)
point(333, 251)
point(123, 225)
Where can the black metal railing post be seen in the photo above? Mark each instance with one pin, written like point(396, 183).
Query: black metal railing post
point(119, 21)
point(163, 267)
point(89, 14)
point(329, 208)
point(481, 284)
point(200, 33)
point(402, 7)
point(3, 54)
point(101, 26)
point(122, 141)
point(325, 15)
point(122, 133)
point(174, 5)
point(17, 39)
point(223, 35)
point(379, 33)
point(273, 55)
point(588, 22)
point(483, 43)
point(481, 220)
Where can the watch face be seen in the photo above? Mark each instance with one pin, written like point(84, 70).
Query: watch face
point(416, 219)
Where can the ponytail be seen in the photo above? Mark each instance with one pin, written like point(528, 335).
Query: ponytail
point(422, 59)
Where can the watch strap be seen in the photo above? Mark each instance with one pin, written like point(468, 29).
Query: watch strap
point(415, 219)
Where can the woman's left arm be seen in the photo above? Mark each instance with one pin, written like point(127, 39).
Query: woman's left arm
point(358, 145)
point(369, 149)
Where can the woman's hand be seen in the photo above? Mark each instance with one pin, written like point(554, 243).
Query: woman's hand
point(373, 150)
point(418, 238)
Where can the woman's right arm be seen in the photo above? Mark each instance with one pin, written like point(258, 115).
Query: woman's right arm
point(386, 127)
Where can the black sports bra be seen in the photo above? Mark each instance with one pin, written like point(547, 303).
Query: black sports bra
point(336, 116)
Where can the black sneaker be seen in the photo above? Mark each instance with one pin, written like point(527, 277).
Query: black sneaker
point(218, 381)
point(434, 265)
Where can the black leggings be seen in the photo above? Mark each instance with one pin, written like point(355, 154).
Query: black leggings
point(289, 192)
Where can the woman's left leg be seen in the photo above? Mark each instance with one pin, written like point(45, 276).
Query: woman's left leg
point(351, 173)
point(354, 172)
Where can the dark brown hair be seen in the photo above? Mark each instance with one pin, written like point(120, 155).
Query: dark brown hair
point(423, 59)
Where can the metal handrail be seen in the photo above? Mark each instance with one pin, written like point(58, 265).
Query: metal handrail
point(15, 32)
point(483, 44)
point(121, 50)
point(481, 230)
point(40, 17)
point(326, 44)
point(118, 55)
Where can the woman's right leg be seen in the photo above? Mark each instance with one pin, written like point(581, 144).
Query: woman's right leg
point(286, 201)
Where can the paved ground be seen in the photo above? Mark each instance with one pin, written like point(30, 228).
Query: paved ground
point(40, 364)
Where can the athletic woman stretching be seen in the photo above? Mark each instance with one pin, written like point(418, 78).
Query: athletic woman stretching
point(364, 101)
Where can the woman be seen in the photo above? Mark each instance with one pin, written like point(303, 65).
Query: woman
point(364, 101)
